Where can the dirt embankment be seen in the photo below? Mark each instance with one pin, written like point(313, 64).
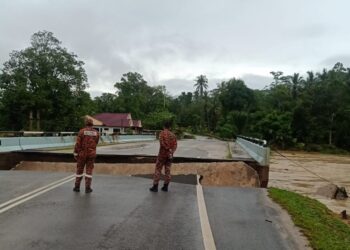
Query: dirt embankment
point(214, 174)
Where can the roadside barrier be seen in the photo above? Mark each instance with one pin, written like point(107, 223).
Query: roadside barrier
point(8, 144)
point(256, 148)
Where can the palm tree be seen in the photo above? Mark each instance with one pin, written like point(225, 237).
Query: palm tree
point(201, 84)
point(323, 75)
point(311, 78)
point(295, 81)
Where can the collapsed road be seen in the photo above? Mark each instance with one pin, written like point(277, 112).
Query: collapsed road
point(38, 210)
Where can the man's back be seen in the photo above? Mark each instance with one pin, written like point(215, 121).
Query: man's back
point(87, 141)
point(168, 142)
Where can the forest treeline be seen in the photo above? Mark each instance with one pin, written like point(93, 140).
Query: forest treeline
point(43, 87)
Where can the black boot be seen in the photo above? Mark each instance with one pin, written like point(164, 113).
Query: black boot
point(154, 188)
point(165, 187)
point(76, 189)
point(88, 190)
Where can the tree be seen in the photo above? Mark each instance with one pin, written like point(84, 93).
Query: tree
point(234, 95)
point(275, 128)
point(183, 107)
point(201, 97)
point(135, 96)
point(155, 120)
point(201, 84)
point(277, 77)
point(133, 93)
point(42, 83)
point(294, 82)
point(107, 102)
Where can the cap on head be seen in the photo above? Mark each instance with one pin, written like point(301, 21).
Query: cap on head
point(88, 121)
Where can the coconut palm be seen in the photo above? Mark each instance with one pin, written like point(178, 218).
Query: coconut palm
point(201, 84)
point(295, 82)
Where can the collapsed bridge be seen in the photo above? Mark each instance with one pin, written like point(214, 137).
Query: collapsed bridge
point(247, 164)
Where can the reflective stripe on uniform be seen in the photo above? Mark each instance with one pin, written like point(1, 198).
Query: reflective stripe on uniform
point(88, 176)
point(79, 175)
point(90, 133)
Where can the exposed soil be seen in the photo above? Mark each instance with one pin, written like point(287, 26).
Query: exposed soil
point(289, 174)
point(214, 174)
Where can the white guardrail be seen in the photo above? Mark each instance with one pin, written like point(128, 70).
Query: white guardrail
point(8, 144)
point(256, 148)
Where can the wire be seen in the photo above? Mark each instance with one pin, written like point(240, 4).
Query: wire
point(299, 165)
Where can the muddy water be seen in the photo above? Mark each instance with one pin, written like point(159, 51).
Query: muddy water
point(289, 174)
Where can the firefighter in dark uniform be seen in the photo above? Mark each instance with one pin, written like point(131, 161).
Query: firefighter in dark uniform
point(168, 145)
point(85, 154)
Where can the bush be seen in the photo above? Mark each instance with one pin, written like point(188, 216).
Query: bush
point(226, 131)
point(325, 148)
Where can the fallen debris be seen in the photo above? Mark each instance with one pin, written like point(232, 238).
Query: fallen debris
point(341, 194)
point(332, 191)
point(343, 215)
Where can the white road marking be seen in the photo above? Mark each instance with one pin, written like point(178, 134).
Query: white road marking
point(23, 198)
point(208, 239)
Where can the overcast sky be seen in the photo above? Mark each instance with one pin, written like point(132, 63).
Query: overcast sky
point(172, 42)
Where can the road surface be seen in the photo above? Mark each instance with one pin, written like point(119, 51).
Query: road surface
point(122, 214)
point(201, 147)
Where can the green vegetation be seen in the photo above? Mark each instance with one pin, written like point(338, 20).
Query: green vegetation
point(43, 88)
point(325, 148)
point(318, 223)
point(43, 82)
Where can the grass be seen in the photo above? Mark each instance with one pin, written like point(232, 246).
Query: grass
point(320, 225)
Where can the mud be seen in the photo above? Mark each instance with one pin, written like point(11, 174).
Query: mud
point(289, 175)
point(236, 174)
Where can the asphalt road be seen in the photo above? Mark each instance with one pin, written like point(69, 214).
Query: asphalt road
point(122, 214)
point(242, 217)
point(201, 147)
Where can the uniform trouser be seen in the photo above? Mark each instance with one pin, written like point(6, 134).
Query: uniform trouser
point(81, 162)
point(166, 162)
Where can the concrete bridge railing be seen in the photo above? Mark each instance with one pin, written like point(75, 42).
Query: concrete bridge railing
point(8, 144)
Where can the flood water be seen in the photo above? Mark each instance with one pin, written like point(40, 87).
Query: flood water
point(304, 173)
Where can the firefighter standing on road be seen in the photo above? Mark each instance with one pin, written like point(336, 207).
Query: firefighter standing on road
point(168, 145)
point(85, 154)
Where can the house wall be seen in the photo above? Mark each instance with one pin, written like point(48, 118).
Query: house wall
point(109, 130)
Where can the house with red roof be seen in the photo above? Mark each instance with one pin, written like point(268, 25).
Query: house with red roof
point(116, 123)
point(137, 126)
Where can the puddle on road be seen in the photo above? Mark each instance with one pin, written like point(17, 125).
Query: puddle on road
point(288, 175)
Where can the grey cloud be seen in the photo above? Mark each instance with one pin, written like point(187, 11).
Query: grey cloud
point(184, 38)
point(177, 86)
point(96, 93)
point(331, 61)
point(256, 81)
